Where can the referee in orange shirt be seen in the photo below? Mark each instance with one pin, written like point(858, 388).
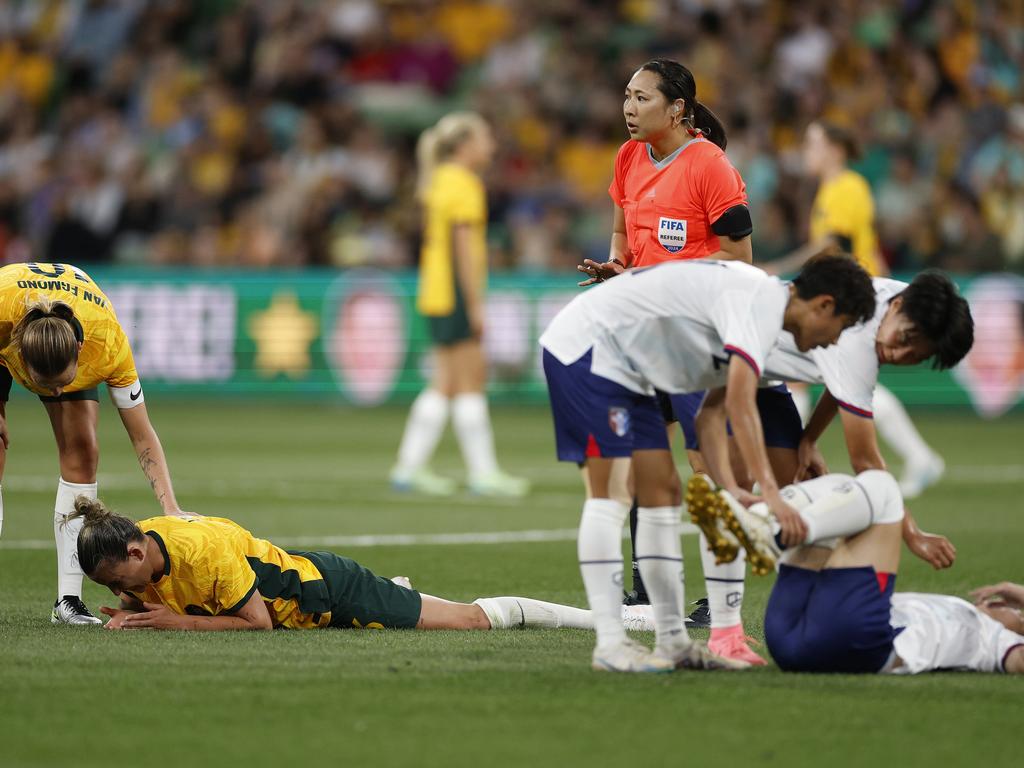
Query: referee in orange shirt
point(676, 196)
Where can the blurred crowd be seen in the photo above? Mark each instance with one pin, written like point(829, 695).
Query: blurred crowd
point(266, 133)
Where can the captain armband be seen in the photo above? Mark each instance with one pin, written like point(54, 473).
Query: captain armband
point(735, 223)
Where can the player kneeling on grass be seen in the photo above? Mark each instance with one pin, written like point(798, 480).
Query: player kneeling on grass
point(833, 608)
point(209, 573)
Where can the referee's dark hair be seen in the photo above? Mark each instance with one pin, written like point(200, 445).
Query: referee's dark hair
point(676, 82)
point(940, 314)
point(832, 274)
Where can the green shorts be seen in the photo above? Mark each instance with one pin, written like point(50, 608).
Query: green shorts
point(360, 598)
point(452, 328)
point(82, 394)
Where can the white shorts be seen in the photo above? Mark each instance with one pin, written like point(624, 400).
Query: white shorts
point(944, 632)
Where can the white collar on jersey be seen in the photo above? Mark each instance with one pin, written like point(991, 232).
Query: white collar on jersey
point(661, 164)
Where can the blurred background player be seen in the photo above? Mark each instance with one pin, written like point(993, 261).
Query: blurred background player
point(453, 281)
point(60, 338)
point(843, 214)
point(677, 197)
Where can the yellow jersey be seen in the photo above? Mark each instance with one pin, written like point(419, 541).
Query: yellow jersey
point(455, 195)
point(213, 565)
point(843, 209)
point(106, 355)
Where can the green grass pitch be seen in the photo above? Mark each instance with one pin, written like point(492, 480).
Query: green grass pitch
point(93, 698)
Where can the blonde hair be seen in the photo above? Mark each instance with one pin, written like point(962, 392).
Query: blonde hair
point(45, 336)
point(104, 535)
point(440, 142)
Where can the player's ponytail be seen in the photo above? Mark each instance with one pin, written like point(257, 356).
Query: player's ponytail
point(439, 142)
point(676, 82)
point(104, 535)
point(707, 122)
point(46, 336)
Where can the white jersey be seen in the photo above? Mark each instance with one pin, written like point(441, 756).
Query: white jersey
point(945, 632)
point(848, 368)
point(672, 326)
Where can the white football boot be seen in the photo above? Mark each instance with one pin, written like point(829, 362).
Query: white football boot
point(71, 610)
point(694, 654)
point(628, 656)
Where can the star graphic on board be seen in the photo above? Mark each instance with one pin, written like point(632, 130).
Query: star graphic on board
point(283, 333)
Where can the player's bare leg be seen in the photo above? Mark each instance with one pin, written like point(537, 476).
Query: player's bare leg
point(74, 429)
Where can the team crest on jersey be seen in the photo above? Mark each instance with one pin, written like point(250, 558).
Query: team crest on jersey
point(618, 420)
point(672, 234)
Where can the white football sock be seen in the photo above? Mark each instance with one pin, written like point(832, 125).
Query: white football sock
point(839, 505)
point(896, 428)
point(423, 430)
point(512, 612)
point(883, 493)
point(69, 574)
point(472, 424)
point(725, 584)
point(599, 548)
point(660, 556)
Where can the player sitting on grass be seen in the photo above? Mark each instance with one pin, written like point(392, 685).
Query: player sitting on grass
point(833, 609)
point(209, 574)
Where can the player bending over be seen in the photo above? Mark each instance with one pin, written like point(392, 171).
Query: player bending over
point(833, 608)
point(210, 574)
point(676, 327)
point(926, 319)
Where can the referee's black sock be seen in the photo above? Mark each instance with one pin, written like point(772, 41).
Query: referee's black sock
point(639, 594)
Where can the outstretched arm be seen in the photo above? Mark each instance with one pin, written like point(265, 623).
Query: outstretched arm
point(151, 456)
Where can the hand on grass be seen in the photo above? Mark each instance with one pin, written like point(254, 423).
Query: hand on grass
point(117, 617)
point(155, 616)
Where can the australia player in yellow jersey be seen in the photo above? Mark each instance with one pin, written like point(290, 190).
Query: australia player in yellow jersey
point(60, 339)
point(209, 573)
point(843, 215)
point(452, 285)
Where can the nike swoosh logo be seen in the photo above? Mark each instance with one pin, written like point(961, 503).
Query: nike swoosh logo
point(135, 395)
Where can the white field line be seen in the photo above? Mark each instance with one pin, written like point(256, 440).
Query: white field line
point(305, 489)
point(392, 539)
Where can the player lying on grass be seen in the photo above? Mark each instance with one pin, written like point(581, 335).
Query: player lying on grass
point(208, 574)
point(833, 608)
point(675, 327)
point(925, 319)
point(60, 339)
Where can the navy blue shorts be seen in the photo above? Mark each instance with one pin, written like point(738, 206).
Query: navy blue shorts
point(834, 620)
point(780, 420)
point(598, 417)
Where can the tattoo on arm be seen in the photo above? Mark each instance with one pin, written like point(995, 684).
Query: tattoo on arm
point(149, 465)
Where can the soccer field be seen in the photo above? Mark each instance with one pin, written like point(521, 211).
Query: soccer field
point(315, 477)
